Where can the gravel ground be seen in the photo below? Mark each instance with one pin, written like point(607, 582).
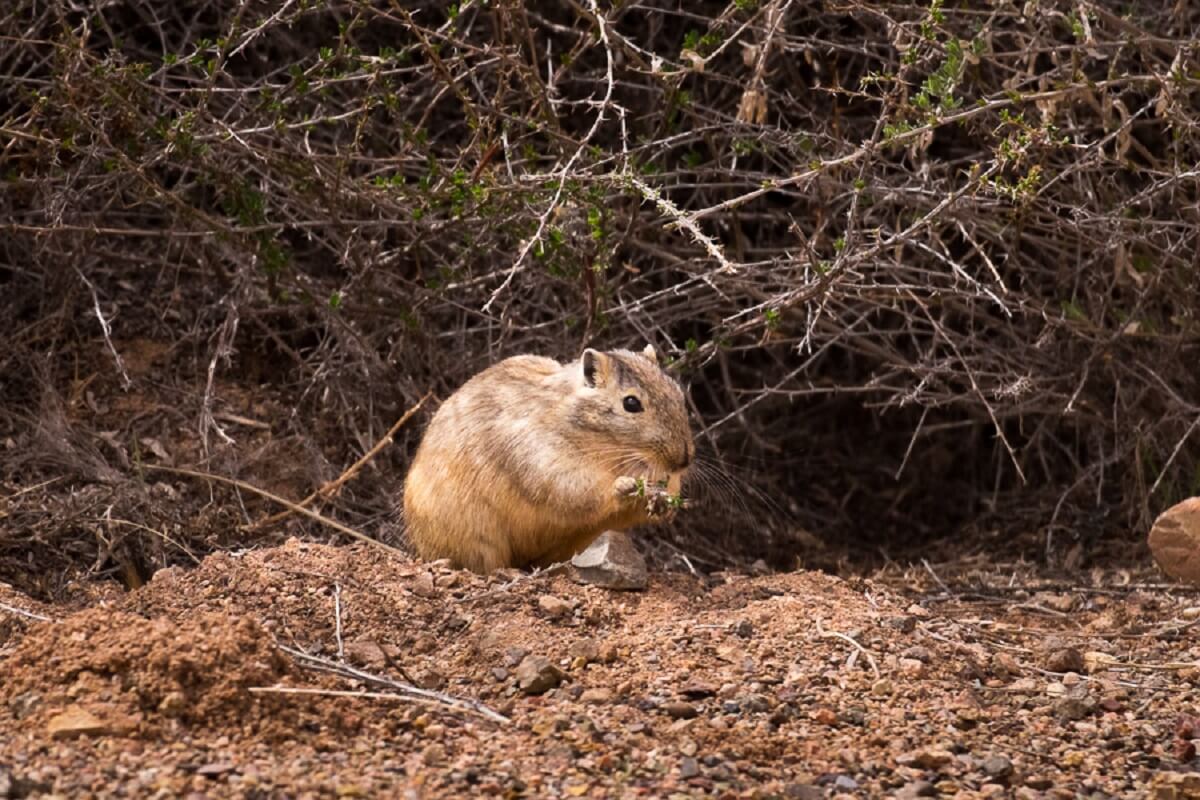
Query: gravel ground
point(951, 681)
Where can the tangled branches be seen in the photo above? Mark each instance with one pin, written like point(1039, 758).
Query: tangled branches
point(902, 253)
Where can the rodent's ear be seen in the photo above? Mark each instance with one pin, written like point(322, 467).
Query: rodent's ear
point(595, 368)
point(650, 353)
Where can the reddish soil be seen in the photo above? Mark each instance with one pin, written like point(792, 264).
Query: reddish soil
point(800, 685)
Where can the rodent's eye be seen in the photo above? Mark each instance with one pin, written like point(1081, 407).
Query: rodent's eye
point(632, 404)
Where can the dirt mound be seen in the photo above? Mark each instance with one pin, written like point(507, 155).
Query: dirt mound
point(135, 673)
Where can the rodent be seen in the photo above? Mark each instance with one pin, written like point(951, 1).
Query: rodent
point(531, 459)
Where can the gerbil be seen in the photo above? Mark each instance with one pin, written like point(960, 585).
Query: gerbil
point(531, 459)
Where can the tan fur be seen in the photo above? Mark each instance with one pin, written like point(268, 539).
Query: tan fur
point(518, 466)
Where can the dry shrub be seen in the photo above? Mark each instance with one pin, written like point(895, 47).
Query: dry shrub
point(926, 269)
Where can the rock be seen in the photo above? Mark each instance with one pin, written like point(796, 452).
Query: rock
point(680, 710)
point(1005, 666)
point(911, 791)
point(930, 758)
point(585, 649)
point(23, 704)
point(755, 703)
point(922, 654)
point(1074, 708)
point(803, 791)
point(369, 654)
point(966, 717)
point(431, 679)
point(883, 688)
point(1095, 661)
point(911, 667)
point(845, 783)
point(553, 606)
point(597, 697)
point(906, 624)
point(689, 768)
point(1055, 601)
point(433, 754)
point(173, 704)
point(612, 562)
point(422, 586)
point(698, 689)
point(1175, 786)
point(1024, 686)
point(1067, 659)
point(536, 675)
point(6, 784)
point(215, 769)
point(997, 767)
point(75, 722)
point(744, 629)
point(825, 716)
point(1175, 540)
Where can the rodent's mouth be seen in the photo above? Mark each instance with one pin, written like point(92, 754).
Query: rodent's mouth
point(656, 471)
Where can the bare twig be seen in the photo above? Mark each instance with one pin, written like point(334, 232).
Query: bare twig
point(337, 621)
point(824, 634)
point(106, 330)
point(329, 489)
point(337, 526)
point(427, 695)
point(20, 612)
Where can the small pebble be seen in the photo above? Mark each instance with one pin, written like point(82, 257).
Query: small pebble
point(997, 767)
point(554, 607)
point(536, 675)
point(597, 697)
point(1067, 659)
point(680, 710)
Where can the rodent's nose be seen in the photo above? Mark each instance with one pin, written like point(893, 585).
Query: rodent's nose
point(686, 461)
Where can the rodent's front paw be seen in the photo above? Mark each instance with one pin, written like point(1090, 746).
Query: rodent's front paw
point(626, 486)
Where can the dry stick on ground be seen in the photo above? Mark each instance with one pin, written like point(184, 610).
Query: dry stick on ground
point(326, 491)
point(307, 690)
point(415, 693)
point(20, 612)
point(824, 634)
point(337, 526)
point(337, 617)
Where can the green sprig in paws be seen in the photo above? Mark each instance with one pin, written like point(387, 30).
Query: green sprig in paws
point(659, 501)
